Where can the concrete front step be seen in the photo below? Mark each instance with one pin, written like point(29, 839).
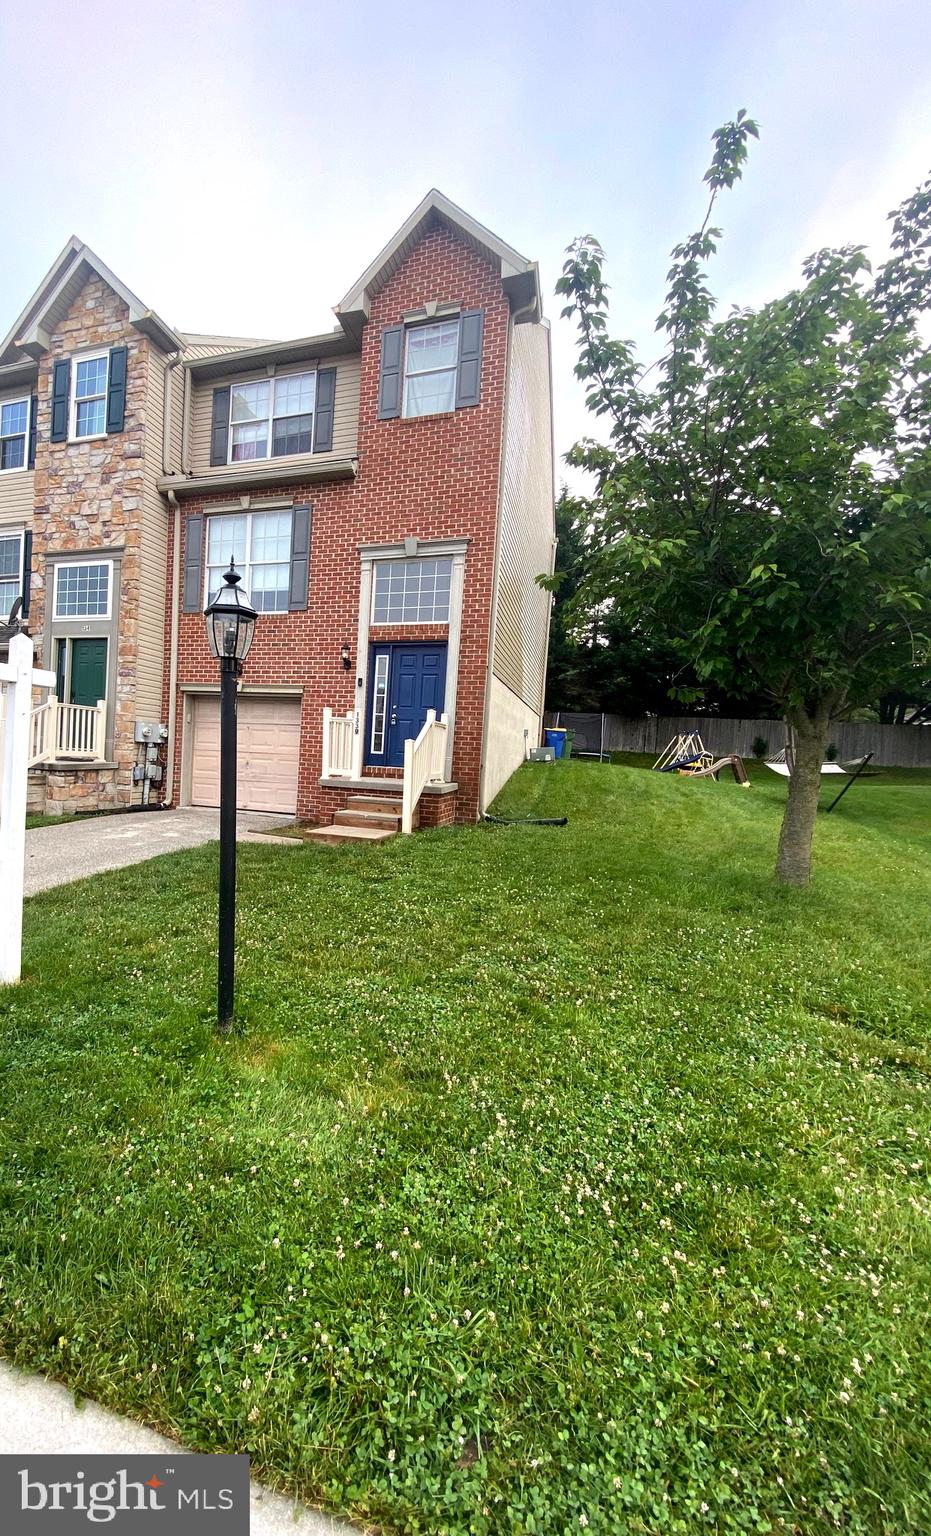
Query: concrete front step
point(340, 833)
point(360, 816)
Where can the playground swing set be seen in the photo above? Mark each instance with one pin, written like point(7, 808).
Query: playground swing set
point(687, 754)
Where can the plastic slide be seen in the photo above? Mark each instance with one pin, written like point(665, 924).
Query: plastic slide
point(733, 762)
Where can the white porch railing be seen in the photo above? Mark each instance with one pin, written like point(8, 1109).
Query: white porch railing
point(337, 745)
point(424, 763)
point(73, 732)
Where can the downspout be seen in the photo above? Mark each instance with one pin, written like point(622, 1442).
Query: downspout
point(175, 573)
point(173, 649)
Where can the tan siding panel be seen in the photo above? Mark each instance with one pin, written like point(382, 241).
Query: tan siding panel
point(16, 485)
point(153, 551)
point(16, 498)
point(527, 519)
point(345, 420)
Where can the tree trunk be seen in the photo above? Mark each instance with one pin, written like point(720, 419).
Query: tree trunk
point(793, 860)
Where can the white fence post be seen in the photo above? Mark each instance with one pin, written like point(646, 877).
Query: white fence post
point(18, 679)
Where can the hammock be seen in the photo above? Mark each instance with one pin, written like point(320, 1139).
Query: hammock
point(782, 764)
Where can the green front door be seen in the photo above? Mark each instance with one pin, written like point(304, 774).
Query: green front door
point(88, 671)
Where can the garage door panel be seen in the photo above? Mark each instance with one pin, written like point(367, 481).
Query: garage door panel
point(269, 752)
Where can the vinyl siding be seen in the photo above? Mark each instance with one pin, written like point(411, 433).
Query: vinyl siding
point(527, 519)
point(153, 548)
point(16, 485)
point(505, 743)
point(16, 498)
point(345, 421)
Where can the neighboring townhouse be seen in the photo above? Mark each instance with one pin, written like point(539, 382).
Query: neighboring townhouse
point(385, 489)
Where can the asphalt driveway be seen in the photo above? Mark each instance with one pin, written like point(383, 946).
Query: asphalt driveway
point(57, 855)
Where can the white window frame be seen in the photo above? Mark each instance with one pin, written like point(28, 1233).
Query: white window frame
point(77, 618)
point(87, 357)
point(379, 670)
point(422, 373)
point(272, 381)
point(412, 560)
point(246, 572)
point(13, 533)
point(15, 469)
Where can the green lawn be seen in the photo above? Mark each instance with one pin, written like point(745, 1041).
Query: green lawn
point(560, 1178)
point(38, 819)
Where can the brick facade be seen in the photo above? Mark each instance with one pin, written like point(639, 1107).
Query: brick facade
point(431, 477)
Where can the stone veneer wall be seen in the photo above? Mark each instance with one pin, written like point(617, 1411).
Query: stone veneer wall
point(433, 477)
point(89, 496)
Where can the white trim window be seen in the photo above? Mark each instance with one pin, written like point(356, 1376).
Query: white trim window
point(14, 433)
point(411, 591)
point(431, 356)
point(260, 546)
point(89, 379)
point(272, 417)
point(11, 571)
point(83, 589)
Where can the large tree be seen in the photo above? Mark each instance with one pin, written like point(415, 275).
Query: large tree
point(764, 494)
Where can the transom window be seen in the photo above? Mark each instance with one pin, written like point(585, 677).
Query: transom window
point(82, 589)
point(411, 591)
point(430, 359)
point(272, 417)
point(260, 545)
point(14, 430)
point(11, 571)
point(89, 410)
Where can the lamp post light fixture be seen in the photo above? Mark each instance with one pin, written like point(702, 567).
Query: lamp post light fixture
point(230, 629)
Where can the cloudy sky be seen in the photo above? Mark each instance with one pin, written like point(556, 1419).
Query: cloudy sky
point(239, 164)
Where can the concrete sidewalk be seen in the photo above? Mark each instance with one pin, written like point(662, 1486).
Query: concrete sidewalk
point(57, 855)
point(38, 1416)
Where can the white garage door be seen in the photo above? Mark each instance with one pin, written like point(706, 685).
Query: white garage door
point(269, 746)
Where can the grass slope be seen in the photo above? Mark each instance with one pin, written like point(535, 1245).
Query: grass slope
point(559, 1178)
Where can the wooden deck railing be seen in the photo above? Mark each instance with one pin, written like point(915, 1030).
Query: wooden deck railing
point(68, 732)
point(337, 745)
point(424, 763)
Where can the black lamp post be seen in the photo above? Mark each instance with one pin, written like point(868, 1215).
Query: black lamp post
point(230, 628)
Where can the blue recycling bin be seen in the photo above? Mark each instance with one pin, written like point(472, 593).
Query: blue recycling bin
point(556, 738)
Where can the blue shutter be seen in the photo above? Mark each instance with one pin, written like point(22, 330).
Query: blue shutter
point(469, 374)
point(33, 432)
point(220, 426)
point(300, 558)
point(389, 383)
point(193, 551)
point(323, 418)
point(116, 389)
point(61, 401)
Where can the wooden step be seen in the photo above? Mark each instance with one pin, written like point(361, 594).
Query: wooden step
point(361, 816)
point(388, 803)
point(349, 834)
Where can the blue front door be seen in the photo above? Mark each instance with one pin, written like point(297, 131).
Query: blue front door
point(404, 682)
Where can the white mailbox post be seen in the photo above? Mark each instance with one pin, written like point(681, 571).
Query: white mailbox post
point(18, 677)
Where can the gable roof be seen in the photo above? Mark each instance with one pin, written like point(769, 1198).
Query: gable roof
point(520, 278)
point(57, 292)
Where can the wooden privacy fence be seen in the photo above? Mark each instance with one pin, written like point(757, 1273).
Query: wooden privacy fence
point(893, 746)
